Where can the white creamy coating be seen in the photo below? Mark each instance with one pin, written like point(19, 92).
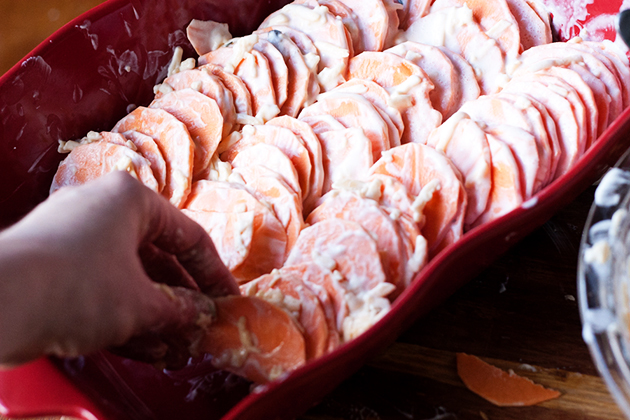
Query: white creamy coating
point(315, 15)
point(330, 77)
point(558, 89)
point(163, 88)
point(553, 62)
point(606, 194)
point(173, 67)
point(365, 309)
point(394, 214)
point(498, 29)
point(400, 102)
point(348, 167)
point(126, 164)
point(240, 47)
point(67, 146)
point(312, 61)
point(181, 180)
point(425, 195)
point(131, 145)
point(399, 97)
point(246, 119)
point(219, 170)
point(417, 260)
point(243, 232)
point(230, 140)
point(406, 86)
point(248, 340)
point(371, 189)
point(248, 65)
point(267, 112)
point(236, 178)
point(413, 56)
point(91, 137)
point(447, 129)
point(331, 50)
point(323, 261)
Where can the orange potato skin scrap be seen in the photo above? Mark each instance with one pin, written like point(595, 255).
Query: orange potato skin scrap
point(504, 389)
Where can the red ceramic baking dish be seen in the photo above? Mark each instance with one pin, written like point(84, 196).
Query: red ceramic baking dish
point(77, 80)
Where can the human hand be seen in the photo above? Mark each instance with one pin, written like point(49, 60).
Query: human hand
point(72, 279)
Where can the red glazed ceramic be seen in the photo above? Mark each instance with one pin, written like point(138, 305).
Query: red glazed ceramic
point(86, 77)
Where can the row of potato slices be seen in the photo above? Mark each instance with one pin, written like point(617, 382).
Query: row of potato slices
point(405, 164)
point(559, 101)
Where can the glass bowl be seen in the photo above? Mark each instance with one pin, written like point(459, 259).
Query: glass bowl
point(604, 280)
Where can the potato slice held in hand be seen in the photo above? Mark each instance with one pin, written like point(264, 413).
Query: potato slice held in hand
point(253, 338)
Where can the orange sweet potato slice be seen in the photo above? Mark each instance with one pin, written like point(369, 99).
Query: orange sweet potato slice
point(506, 193)
point(328, 291)
point(300, 75)
point(278, 67)
point(270, 157)
point(359, 262)
point(372, 21)
point(147, 147)
point(505, 389)
point(269, 188)
point(494, 17)
point(499, 112)
point(347, 155)
point(465, 143)
point(232, 242)
point(268, 241)
point(253, 68)
point(446, 95)
point(282, 138)
point(358, 286)
point(253, 338)
point(309, 52)
point(174, 141)
point(532, 29)
point(586, 64)
point(366, 212)
point(327, 33)
point(202, 118)
point(93, 160)
point(347, 16)
point(352, 110)
point(427, 172)
point(380, 98)
point(241, 96)
point(466, 78)
point(409, 87)
point(208, 84)
point(286, 290)
point(411, 11)
point(304, 132)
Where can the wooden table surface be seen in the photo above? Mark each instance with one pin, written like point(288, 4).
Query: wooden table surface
point(518, 314)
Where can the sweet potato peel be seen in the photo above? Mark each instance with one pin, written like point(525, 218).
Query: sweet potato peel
point(504, 389)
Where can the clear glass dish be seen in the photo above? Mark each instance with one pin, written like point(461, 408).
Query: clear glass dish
point(604, 280)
